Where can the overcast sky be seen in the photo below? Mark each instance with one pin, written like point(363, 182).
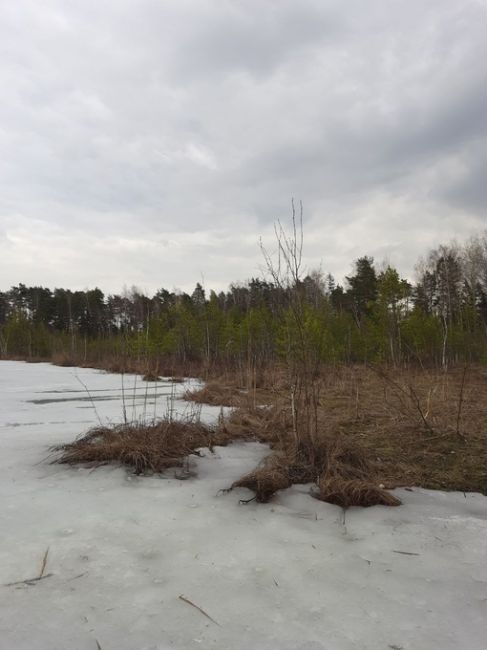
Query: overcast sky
point(152, 142)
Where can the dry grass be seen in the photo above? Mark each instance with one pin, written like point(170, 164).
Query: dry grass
point(216, 394)
point(124, 362)
point(419, 427)
point(354, 492)
point(63, 359)
point(337, 465)
point(151, 375)
point(145, 448)
point(375, 428)
point(392, 428)
point(271, 475)
point(270, 425)
point(348, 477)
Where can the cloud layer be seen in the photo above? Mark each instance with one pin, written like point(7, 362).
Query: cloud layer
point(153, 143)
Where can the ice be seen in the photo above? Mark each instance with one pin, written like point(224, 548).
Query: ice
point(292, 574)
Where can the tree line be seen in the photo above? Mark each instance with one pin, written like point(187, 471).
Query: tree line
point(374, 316)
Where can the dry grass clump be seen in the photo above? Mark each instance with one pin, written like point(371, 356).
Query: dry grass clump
point(347, 477)
point(151, 375)
point(216, 394)
point(64, 360)
point(354, 492)
point(337, 465)
point(147, 448)
point(272, 475)
point(270, 425)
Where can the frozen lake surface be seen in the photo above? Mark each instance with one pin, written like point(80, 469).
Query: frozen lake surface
point(295, 574)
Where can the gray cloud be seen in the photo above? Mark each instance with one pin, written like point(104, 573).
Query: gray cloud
point(151, 143)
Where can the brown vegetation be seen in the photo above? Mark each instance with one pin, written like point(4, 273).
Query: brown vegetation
point(216, 394)
point(269, 425)
point(338, 466)
point(147, 448)
point(124, 363)
point(151, 375)
point(419, 427)
point(64, 360)
point(376, 429)
point(399, 427)
point(354, 492)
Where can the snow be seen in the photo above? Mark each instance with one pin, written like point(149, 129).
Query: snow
point(292, 574)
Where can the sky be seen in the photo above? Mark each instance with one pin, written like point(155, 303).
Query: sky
point(153, 143)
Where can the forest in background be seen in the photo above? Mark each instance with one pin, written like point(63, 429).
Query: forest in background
point(375, 316)
point(359, 387)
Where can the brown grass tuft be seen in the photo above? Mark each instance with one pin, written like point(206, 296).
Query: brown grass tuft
point(272, 475)
point(216, 394)
point(151, 375)
point(353, 492)
point(63, 359)
point(265, 424)
point(147, 448)
point(337, 464)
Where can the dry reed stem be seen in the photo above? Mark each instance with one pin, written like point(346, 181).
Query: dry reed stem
point(30, 581)
point(189, 602)
point(33, 581)
point(44, 562)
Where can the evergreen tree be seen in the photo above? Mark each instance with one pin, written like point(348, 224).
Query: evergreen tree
point(363, 287)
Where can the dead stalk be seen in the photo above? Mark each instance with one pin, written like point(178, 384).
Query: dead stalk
point(189, 602)
point(44, 562)
point(460, 402)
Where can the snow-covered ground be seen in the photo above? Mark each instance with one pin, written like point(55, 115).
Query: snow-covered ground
point(292, 574)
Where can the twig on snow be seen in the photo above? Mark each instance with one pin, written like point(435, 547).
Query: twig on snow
point(186, 600)
point(405, 553)
point(44, 562)
point(29, 581)
point(33, 581)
